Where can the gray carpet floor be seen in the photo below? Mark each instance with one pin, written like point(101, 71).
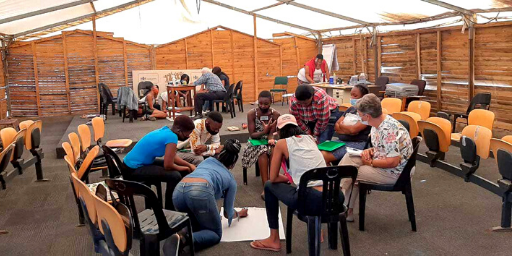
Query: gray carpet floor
point(453, 217)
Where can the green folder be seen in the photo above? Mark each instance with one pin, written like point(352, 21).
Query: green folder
point(258, 142)
point(330, 145)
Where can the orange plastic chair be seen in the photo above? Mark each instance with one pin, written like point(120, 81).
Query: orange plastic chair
point(420, 107)
point(507, 138)
point(74, 140)
point(99, 131)
point(481, 136)
point(9, 136)
point(480, 117)
point(5, 155)
point(25, 124)
point(85, 194)
point(412, 119)
point(441, 127)
point(85, 136)
point(393, 105)
point(83, 172)
point(497, 144)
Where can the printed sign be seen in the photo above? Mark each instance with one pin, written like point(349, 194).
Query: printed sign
point(163, 77)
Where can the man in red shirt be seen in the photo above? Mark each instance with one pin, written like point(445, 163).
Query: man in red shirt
point(315, 111)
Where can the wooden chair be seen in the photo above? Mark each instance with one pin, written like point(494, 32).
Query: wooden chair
point(280, 86)
point(420, 107)
point(436, 133)
point(411, 119)
point(475, 144)
point(392, 105)
point(98, 126)
point(5, 156)
point(9, 136)
point(479, 117)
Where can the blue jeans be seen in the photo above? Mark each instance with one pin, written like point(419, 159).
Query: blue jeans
point(198, 201)
point(329, 131)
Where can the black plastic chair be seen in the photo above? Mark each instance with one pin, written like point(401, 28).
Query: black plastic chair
point(116, 169)
point(238, 95)
point(405, 124)
point(143, 88)
point(244, 170)
point(333, 211)
point(151, 225)
point(4, 162)
point(381, 82)
point(421, 86)
point(228, 101)
point(106, 99)
point(403, 184)
point(481, 100)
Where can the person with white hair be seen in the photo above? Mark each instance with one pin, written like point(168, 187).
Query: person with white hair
point(213, 90)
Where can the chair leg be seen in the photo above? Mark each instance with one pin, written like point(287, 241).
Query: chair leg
point(150, 246)
point(257, 169)
point(190, 238)
point(289, 221)
point(244, 170)
point(159, 192)
point(332, 235)
point(362, 206)
point(410, 207)
point(345, 242)
point(242, 105)
point(314, 230)
point(113, 109)
point(233, 112)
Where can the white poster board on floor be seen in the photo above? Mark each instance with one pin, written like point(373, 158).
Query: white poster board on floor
point(163, 77)
point(331, 56)
point(253, 227)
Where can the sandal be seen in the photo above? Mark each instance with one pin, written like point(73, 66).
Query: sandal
point(259, 246)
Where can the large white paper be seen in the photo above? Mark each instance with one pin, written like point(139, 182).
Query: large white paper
point(253, 227)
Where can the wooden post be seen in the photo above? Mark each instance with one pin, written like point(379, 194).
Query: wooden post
point(6, 77)
point(471, 61)
point(375, 54)
point(418, 55)
point(280, 60)
point(439, 67)
point(319, 42)
point(152, 55)
point(297, 52)
point(211, 43)
point(36, 78)
point(365, 55)
point(379, 55)
point(255, 45)
point(125, 58)
point(66, 72)
point(232, 55)
point(186, 54)
point(95, 49)
point(354, 62)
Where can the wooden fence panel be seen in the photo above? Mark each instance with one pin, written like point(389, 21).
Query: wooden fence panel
point(51, 76)
point(455, 69)
point(82, 78)
point(3, 96)
point(199, 49)
point(399, 58)
point(22, 89)
point(138, 58)
point(370, 59)
point(428, 57)
point(244, 63)
point(268, 65)
point(290, 66)
point(345, 52)
point(493, 70)
point(111, 63)
point(172, 56)
point(222, 53)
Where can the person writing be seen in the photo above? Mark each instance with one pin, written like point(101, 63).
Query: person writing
point(143, 164)
point(198, 192)
point(314, 109)
point(350, 129)
point(214, 90)
point(392, 147)
point(206, 129)
point(316, 70)
point(302, 153)
point(261, 124)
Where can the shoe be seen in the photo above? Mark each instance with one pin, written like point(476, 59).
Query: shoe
point(350, 218)
point(172, 245)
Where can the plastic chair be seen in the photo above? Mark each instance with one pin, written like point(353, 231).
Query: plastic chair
point(32, 143)
point(106, 99)
point(436, 132)
point(475, 143)
point(381, 82)
point(504, 160)
point(98, 126)
point(5, 157)
point(411, 119)
point(483, 100)
point(9, 136)
point(507, 138)
point(333, 211)
point(421, 86)
point(25, 124)
point(238, 95)
point(116, 225)
point(392, 105)
point(151, 225)
point(497, 144)
point(85, 138)
point(280, 86)
point(420, 107)
point(403, 184)
point(479, 117)
point(228, 101)
point(257, 171)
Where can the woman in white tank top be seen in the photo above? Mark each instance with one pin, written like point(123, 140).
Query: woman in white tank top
point(303, 155)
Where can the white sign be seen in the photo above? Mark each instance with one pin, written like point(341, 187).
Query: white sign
point(163, 77)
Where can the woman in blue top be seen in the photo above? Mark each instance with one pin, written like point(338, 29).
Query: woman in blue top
point(198, 192)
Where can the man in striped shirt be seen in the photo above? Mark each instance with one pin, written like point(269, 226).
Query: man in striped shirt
point(315, 111)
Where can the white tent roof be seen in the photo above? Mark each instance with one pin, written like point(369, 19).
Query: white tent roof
point(160, 21)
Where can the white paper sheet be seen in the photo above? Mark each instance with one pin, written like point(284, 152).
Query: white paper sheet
point(253, 227)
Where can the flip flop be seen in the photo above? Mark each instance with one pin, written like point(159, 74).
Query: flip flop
point(259, 246)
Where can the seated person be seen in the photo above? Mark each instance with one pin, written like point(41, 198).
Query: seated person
point(214, 90)
point(222, 76)
point(353, 133)
point(261, 123)
point(184, 79)
point(314, 108)
point(143, 164)
point(303, 155)
point(163, 97)
point(198, 192)
point(205, 130)
point(153, 108)
point(392, 147)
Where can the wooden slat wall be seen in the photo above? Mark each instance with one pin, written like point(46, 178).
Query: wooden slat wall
point(428, 57)
point(399, 58)
point(345, 52)
point(111, 63)
point(3, 99)
point(454, 69)
point(493, 70)
point(138, 58)
point(22, 87)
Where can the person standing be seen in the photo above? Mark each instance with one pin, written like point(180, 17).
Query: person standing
point(316, 70)
point(206, 129)
point(315, 111)
point(214, 90)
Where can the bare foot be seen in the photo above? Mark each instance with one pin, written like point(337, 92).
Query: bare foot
point(267, 244)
